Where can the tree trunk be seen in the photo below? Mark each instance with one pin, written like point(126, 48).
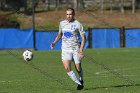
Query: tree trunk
point(68, 3)
point(48, 4)
point(44, 5)
point(81, 4)
point(122, 6)
point(57, 4)
point(137, 3)
point(102, 6)
point(75, 4)
point(133, 6)
point(0, 5)
point(111, 6)
point(25, 6)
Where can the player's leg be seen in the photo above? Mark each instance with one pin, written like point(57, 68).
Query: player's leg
point(66, 58)
point(78, 67)
point(71, 74)
point(80, 71)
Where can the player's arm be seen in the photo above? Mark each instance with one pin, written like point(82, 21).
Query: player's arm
point(83, 37)
point(81, 54)
point(59, 35)
point(82, 43)
point(56, 40)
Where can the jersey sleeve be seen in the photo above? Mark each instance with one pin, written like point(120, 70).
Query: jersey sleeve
point(81, 30)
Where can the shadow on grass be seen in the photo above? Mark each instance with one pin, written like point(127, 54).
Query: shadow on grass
point(117, 86)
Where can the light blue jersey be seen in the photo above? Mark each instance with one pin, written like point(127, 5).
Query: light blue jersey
point(71, 32)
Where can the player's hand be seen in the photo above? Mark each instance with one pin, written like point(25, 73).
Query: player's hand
point(52, 45)
point(81, 55)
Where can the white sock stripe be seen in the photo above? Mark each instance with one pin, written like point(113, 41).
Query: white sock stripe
point(73, 77)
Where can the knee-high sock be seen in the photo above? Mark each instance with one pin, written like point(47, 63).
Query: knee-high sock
point(81, 74)
point(73, 77)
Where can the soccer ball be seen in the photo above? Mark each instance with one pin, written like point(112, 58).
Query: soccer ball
point(27, 55)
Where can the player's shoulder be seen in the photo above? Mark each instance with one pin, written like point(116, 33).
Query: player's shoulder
point(77, 22)
point(63, 22)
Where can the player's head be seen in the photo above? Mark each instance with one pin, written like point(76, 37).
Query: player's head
point(70, 13)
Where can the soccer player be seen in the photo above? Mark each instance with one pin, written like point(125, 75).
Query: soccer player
point(70, 31)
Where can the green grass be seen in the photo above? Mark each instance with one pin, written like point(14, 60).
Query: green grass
point(46, 74)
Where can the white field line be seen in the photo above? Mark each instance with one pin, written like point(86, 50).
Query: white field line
point(99, 74)
point(18, 81)
point(102, 72)
point(122, 75)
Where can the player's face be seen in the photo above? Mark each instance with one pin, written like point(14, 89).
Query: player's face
point(69, 15)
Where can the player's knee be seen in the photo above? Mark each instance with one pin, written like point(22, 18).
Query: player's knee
point(78, 70)
point(68, 69)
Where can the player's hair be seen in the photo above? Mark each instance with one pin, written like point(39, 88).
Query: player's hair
point(71, 9)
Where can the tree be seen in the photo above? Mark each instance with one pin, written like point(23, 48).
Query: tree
point(57, 4)
point(14, 5)
point(122, 6)
point(111, 6)
point(102, 5)
point(68, 3)
point(45, 3)
point(2, 3)
point(137, 3)
point(75, 3)
point(81, 4)
point(133, 6)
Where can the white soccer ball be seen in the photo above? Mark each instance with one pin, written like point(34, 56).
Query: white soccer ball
point(27, 55)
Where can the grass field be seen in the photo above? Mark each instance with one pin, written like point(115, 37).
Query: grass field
point(105, 71)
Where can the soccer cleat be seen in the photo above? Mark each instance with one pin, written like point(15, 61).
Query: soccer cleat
point(80, 87)
point(82, 82)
